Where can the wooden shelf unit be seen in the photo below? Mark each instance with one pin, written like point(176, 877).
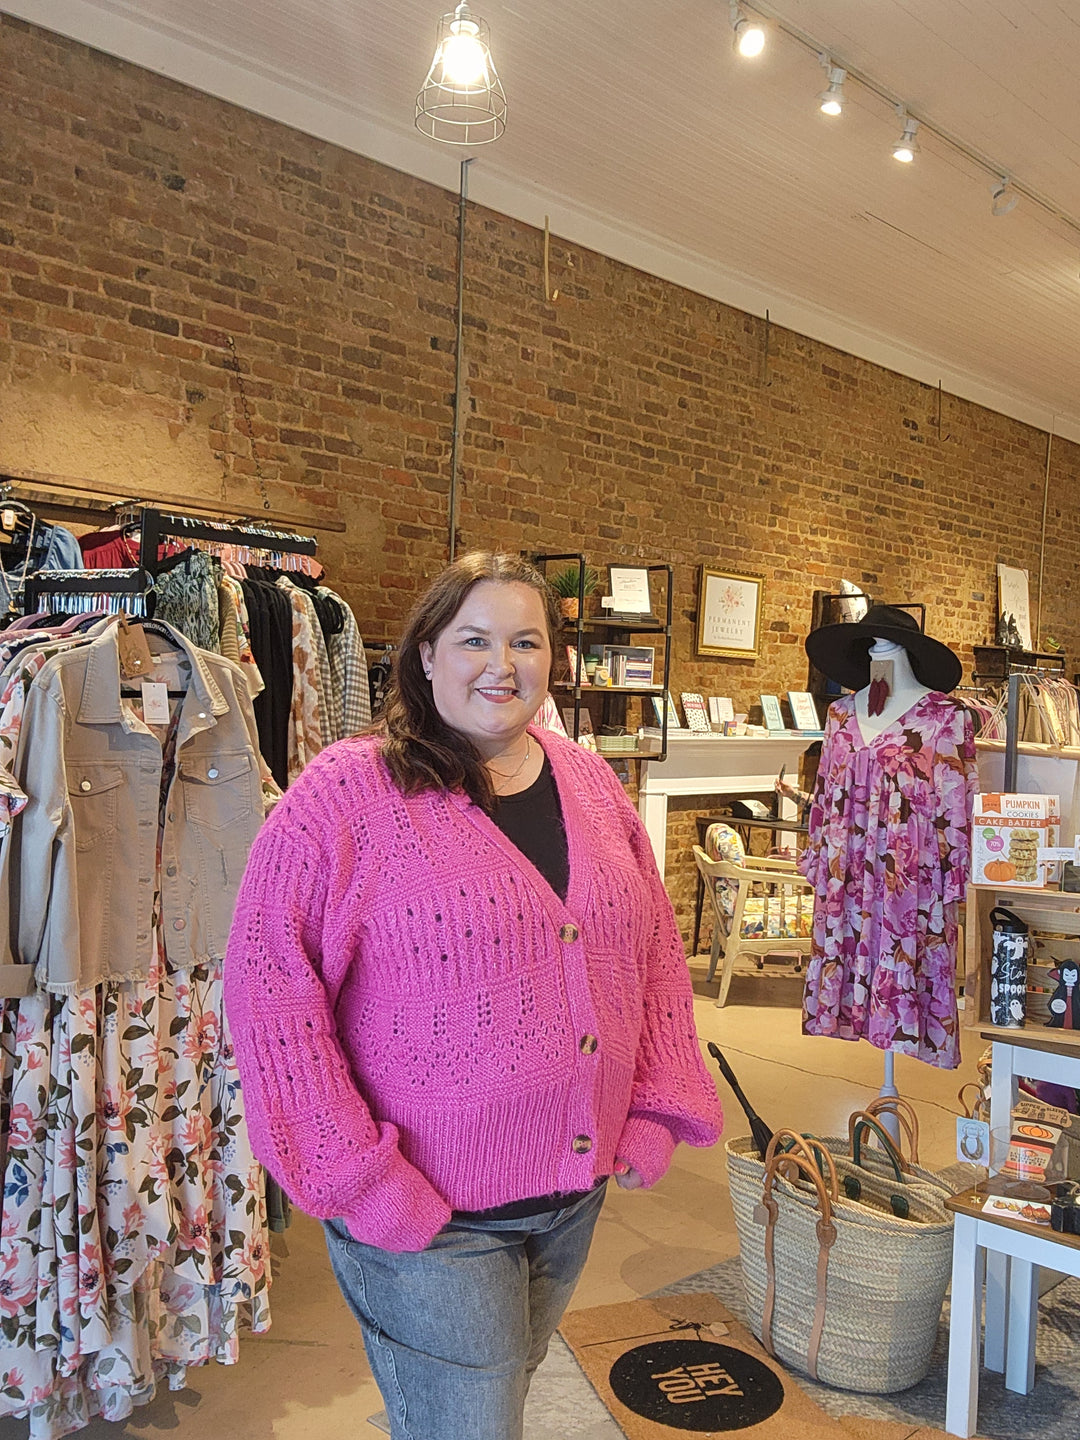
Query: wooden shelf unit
point(613, 698)
point(1053, 910)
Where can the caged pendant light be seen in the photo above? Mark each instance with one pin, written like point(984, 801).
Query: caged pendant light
point(462, 101)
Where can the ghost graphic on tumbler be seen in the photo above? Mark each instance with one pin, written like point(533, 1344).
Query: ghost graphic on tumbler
point(1065, 1001)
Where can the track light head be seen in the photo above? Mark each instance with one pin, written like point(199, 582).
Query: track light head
point(1005, 198)
point(749, 34)
point(831, 101)
point(907, 147)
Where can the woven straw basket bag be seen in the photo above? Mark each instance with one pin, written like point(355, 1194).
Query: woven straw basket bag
point(845, 1292)
point(855, 1159)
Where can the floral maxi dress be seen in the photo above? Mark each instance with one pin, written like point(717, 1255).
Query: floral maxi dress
point(888, 856)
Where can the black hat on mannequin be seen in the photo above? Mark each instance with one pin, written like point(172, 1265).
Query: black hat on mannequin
point(842, 652)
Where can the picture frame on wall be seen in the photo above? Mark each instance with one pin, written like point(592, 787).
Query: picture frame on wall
point(1014, 608)
point(729, 614)
point(771, 712)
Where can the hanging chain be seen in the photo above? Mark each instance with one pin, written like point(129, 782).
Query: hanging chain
point(247, 420)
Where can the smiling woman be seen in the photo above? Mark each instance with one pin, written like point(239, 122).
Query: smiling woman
point(473, 668)
point(460, 1004)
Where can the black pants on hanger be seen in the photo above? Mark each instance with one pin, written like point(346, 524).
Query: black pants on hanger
point(270, 619)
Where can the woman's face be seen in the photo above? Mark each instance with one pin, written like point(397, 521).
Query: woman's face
point(489, 668)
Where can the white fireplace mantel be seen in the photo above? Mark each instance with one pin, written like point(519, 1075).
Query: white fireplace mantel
point(714, 765)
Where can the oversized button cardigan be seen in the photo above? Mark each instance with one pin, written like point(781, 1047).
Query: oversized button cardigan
point(408, 1000)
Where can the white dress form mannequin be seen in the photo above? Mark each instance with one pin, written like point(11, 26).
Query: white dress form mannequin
point(906, 692)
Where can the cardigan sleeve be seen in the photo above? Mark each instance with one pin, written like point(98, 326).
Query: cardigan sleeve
point(308, 1122)
point(673, 1098)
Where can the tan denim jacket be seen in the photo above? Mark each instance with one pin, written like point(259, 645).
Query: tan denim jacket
point(78, 868)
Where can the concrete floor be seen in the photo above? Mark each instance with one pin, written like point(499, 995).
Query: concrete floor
point(308, 1378)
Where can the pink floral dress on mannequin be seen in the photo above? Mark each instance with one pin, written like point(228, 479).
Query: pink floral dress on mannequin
point(888, 856)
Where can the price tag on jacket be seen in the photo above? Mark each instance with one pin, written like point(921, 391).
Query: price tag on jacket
point(135, 656)
point(155, 700)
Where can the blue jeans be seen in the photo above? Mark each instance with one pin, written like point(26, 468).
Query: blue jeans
point(454, 1332)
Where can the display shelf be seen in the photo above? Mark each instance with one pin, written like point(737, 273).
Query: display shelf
point(1055, 909)
point(704, 765)
point(1032, 747)
point(597, 622)
point(610, 689)
point(617, 630)
point(1034, 1037)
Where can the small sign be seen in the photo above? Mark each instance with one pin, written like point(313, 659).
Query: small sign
point(972, 1141)
point(630, 590)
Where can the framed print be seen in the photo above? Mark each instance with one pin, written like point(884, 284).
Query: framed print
point(729, 614)
point(804, 711)
point(771, 712)
point(1014, 608)
point(721, 708)
point(629, 590)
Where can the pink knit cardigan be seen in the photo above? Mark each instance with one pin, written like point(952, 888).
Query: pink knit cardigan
point(422, 1025)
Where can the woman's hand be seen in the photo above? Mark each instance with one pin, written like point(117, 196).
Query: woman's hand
point(626, 1177)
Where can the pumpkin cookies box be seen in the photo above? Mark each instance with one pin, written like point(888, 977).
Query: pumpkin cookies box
point(1007, 833)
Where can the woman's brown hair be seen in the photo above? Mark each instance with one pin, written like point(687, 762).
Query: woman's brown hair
point(421, 750)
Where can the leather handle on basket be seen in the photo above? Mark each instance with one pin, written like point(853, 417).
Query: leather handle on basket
point(785, 1142)
point(860, 1121)
point(979, 1102)
point(826, 1233)
point(905, 1113)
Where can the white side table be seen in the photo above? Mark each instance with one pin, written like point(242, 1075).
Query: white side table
point(1037, 1053)
point(1024, 1248)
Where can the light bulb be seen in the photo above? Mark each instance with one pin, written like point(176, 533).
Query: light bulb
point(464, 59)
point(749, 38)
point(831, 100)
point(907, 147)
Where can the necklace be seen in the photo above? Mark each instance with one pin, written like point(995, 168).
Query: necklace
point(513, 774)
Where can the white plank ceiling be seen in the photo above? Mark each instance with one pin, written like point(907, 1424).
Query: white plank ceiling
point(636, 127)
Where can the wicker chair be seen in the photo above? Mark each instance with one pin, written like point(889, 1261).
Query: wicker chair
point(776, 919)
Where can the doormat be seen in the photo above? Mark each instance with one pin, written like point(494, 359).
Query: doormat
point(684, 1364)
point(1049, 1412)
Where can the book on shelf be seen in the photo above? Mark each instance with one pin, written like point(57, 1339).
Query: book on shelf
point(695, 713)
point(659, 703)
point(585, 726)
point(630, 665)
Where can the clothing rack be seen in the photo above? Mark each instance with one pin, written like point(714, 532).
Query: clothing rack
point(74, 592)
point(94, 495)
point(273, 545)
point(1017, 675)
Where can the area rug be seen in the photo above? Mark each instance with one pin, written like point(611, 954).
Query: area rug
point(1050, 1412)
point(562, 1405)
point(683, 1362)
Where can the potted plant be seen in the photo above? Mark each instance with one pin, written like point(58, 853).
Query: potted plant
point(566, 584)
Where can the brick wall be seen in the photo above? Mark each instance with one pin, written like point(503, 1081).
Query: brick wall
point(141, 223)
